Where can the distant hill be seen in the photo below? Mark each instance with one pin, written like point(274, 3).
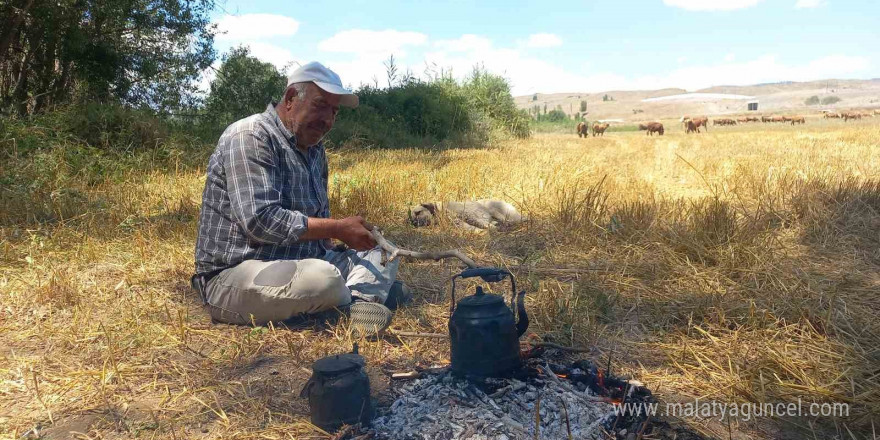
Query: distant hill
point(780, 97)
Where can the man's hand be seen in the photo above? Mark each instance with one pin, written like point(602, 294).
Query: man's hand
point(355, 232)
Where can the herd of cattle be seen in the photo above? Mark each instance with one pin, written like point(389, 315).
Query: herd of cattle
point(846, 116)
point(693, 124)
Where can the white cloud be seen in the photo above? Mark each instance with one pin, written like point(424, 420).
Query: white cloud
point(270, 53)
point(712, 5)
point(465, 43)
point(681, 60)
point(254, 27)
point(543, 40)
point(801, 4)
point(361, 41)
point(529, 74)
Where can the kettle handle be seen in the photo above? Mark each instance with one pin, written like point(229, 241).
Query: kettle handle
point(489, 275)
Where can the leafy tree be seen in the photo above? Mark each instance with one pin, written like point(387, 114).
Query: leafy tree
point(244, 85)
point(607, 98)
point(490, 94)
point(535, 97)
point(812, 100)
point(830, 100)
point(583, 106)
point(137, 52)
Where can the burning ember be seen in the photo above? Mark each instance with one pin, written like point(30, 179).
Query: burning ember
point(558, 401)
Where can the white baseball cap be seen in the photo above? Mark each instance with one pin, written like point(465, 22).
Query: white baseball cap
point(324, 78)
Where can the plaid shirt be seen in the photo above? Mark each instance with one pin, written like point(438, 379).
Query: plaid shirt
point(259, 192)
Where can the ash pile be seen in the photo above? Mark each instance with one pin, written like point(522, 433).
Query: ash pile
point(559, 404)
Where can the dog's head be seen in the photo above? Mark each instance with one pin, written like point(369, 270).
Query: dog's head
point(422, 214)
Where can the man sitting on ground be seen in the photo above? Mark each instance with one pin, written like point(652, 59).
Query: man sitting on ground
point(264, 250)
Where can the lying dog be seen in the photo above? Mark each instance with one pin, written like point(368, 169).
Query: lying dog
point(477, 215)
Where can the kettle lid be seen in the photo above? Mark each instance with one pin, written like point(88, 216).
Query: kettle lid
point(338, 364)
point(480, 299)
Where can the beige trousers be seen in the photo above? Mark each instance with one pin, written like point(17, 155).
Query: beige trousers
point(259, 291)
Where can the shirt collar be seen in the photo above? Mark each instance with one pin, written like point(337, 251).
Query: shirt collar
point(273, 115)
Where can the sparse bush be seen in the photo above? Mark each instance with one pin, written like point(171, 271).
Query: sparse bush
point(828, 100)
point(554, 116)
point(812, 100)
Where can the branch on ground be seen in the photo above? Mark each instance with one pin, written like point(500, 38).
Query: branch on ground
point(395, 251)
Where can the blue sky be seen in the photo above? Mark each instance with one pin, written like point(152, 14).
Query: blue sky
point(556, 46)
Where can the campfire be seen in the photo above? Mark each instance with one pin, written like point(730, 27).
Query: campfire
point(542, 400)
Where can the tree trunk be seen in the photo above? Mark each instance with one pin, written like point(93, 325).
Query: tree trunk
point(6, 38)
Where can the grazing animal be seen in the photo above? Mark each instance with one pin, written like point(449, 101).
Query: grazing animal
point(851, 115)
point(832, 115)
point(691, 126)
point(473, 216)
point(797, 120)
point(765, 119)
point(599, 129)
point(777, 119)
point(654, 127)
point(643, 127)
point(701, 121)
point(583, 130)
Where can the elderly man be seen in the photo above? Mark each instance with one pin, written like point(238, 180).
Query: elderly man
point(264, 250)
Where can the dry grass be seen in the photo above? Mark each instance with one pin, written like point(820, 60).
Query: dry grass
point(739, 265)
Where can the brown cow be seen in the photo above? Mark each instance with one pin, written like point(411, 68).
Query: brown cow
point(691, 126)
point(643, 127)
point(599, 129)
point(654, 127)
point(701, 121)
point(765, 119)
point(832, 115)
point(797, 120)
point(583, 129)
point(777, 119)
point(851, 115)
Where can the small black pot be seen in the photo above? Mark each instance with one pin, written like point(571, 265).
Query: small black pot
point(339, 392)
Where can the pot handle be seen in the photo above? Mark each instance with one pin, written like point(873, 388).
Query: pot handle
point(489, 275)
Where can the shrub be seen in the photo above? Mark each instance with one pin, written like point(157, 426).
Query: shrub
point(413, 112)
point(111, 126)
point(830, 100)
point(812, 100)
point(554, 116)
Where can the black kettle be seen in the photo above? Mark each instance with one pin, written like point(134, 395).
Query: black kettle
point(339, 391)
point(482, 330)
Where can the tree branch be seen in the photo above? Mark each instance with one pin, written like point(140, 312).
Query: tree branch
point(395, 251)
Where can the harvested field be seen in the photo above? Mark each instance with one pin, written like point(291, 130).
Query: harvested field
point(739, 265)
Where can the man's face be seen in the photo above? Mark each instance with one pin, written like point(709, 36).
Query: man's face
point(311, 118)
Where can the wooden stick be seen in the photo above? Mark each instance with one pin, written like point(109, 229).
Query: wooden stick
point(559, 347)
point(395, 251)
point(423, 335)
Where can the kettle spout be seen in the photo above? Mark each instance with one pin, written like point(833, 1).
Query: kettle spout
point(523, 323)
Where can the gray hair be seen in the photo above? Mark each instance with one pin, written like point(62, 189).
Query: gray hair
point(301, 90)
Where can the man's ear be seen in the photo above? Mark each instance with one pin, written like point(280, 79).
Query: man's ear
point(430, 207)
point(289, 95)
